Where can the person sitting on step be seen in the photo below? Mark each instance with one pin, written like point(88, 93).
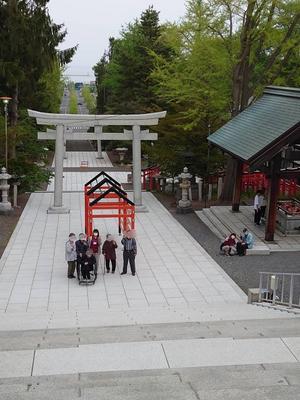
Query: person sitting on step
point(228, 247)
point(246, 242)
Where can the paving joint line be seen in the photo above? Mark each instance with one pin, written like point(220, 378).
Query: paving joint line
point(164, 351)
point(158, 284)
point(32, 365)
point(53, 260)
point(39, 252)
point(194, 390)
point(36, 215)
point(182, 266)
point(289, 349)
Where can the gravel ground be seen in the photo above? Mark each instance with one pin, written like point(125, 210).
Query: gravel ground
point(243, 270)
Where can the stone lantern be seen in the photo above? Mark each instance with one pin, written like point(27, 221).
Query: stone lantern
point(5, 205)
point(185, 204)
point(121, 151)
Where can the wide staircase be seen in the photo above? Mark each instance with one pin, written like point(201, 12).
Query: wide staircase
point(222, 351)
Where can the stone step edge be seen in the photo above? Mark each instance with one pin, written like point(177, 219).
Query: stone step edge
point(210, 219)
point(278, 307)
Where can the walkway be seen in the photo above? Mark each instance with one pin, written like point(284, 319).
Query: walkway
point(75, 158)
point(180, 329)
point(172, 267)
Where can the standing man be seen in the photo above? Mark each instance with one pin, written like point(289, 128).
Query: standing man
point(130, 251)
point(71, 255)
point(257, 210)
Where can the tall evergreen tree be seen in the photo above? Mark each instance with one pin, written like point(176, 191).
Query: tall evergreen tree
point(28, 49)
point(123, 76)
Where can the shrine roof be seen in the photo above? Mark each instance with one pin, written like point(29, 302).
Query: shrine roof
point(261, 130)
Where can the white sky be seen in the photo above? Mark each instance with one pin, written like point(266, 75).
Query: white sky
point(90, 23)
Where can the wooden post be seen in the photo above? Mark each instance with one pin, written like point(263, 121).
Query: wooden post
point(220, 187)
point(237, 185)
point(272, 198)
point(209, 195)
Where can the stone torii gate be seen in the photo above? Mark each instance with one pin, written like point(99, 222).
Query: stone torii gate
point(63, 122)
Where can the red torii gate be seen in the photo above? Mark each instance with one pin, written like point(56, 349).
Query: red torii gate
point(104, 197)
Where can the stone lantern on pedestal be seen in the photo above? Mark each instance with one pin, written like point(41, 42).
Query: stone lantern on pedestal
point(5, 205)
point(121, 151)
point(185, 204)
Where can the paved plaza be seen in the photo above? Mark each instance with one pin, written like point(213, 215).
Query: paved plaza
point(75, 158)
point(180, 319)
point(172, 268)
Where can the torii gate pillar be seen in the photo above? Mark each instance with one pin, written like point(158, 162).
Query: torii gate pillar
point(67, 121)
point(98, 130)
point(57, 207)
point(137, 168)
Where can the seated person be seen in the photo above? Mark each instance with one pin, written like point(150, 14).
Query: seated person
point(228, 247)
point(245, 243)
point(87, 263)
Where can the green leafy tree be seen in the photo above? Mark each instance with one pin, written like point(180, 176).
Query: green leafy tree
point(123, 74)
point(226, 52)
point(28, 48)
point(31, 73)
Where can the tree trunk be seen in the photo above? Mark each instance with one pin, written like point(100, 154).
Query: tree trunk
point(240, 89)
point(13, 123)
point(227, 192)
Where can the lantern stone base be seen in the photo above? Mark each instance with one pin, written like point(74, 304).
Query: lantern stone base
point(184, 210)
point(141, 209)
point(58, 210)
point(5, 208)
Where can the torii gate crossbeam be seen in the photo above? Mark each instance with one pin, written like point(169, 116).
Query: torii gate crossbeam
point(61, 134)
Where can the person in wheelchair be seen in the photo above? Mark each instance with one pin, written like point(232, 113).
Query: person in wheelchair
point(87, 264)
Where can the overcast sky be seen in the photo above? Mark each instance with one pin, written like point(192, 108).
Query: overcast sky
point(90, 23)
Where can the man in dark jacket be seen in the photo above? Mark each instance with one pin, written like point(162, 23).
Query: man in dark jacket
point(129, 253)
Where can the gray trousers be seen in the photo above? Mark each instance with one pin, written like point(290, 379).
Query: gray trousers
point(71, 267)
point(128, 255)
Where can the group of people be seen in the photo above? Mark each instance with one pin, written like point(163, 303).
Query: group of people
point(83, 255)
point(233, 245)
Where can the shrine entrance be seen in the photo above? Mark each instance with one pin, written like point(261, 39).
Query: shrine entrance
point(266, 137)
point(69, 127)
point(104, 198)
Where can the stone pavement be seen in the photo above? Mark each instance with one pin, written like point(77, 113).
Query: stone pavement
point(153, 355)
point(73, 181)
point(74, 159)
point(172, 268)
point(180, 329)
point(222, 221)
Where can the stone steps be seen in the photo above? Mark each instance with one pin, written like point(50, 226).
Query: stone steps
point(217, 223)
point(205, 219)
point(72, 337)
point(268, 381)
point(212, 323)
point(199, 312)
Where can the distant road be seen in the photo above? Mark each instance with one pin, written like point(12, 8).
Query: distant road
point(76, 145)
point(64, 107)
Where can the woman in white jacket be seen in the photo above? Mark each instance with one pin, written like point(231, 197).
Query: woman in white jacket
point(71, 255)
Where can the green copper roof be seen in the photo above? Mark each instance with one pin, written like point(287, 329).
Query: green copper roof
point(261, 125)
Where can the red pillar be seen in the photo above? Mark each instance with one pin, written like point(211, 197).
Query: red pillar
point(237, 185)
point(272, 198)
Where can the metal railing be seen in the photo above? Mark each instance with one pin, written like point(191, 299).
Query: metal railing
point(280, 288)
